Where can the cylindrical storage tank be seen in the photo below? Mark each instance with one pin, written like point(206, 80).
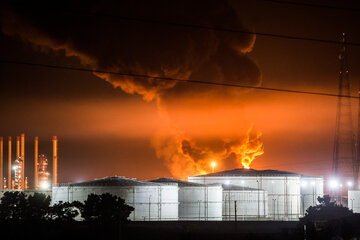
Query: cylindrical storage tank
point(152, 201)
point(354, 200)
point(197, 202)
point(242, 203)
point(283, 188)
point(311, 189)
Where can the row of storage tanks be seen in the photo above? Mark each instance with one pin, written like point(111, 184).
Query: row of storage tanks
point(239, 194)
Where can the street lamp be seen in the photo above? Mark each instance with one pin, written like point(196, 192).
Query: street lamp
point(213, 165)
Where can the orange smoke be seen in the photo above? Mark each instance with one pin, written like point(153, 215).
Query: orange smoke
point(187, 157)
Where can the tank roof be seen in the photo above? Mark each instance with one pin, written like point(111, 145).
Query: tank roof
point(249, 172)
point(231, 187)
point(182, 183)
point(117, 181)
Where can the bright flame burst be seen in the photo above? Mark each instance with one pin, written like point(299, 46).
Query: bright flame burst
point(188, 157)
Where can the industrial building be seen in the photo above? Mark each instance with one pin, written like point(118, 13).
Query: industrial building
point(16, 179)
point(288, 194)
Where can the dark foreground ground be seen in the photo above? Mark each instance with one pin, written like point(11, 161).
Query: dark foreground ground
point(152, 230)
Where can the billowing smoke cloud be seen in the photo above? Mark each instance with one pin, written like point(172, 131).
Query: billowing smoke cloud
point(80, 29)
point(186, 157)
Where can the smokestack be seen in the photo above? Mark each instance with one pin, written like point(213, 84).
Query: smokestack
point(23, 160)
point(17, 147)
point(9, 165)
point(36, 163)
point(54, 160)
point(1, 163)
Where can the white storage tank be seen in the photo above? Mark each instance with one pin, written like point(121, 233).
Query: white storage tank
point(310, 188)
point(283, 188)
point(243, 204)
point(197, 202)
point(152, 201)
point(354, 200)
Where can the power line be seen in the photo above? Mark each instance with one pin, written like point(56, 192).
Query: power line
point(144, 76)
point(314, 5)
point(221, 29)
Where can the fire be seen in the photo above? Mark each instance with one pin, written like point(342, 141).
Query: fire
point(187, 157)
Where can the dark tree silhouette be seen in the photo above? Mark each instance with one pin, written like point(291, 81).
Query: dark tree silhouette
point(12, 206)
point(19, 207)
point(105, 207)
point(327, 220)
point(326, 210)
point(64, 211)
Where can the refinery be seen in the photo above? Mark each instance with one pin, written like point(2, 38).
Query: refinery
point(241, 194)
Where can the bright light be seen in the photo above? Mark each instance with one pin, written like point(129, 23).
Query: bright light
point(227, 182)
point(349, 184)
point(213, 164)
point(313, 183)
point(242, 181)
point(303, 183)
point(334, 184)
point(44, 185)
point(14, 167)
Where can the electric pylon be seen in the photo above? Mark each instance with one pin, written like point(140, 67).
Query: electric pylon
point(344, 155)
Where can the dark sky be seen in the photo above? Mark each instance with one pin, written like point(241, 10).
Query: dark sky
point(144, 128)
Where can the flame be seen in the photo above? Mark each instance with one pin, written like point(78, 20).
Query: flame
point(188, 157)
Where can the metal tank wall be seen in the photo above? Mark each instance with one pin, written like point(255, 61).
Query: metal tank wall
point(283, 192)
point(310, 188)
point(151, 203)
point(250, 205)
point(354, 200)
point(200, 203)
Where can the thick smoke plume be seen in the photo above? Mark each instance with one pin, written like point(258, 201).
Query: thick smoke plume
point(91, 32)
point(187, 157)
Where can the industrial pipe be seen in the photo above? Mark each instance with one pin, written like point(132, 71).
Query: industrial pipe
point(1, 163)
point(36, 163)
point(9, 165)
point(54, 160)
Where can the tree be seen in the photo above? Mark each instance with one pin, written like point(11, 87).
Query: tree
point(64, 211)
point(12, 206)
point(105, 207)
point(326, 210)
point(326, 220)
point(19, 207)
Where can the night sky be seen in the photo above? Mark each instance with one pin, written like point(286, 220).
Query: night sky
point(146, 128)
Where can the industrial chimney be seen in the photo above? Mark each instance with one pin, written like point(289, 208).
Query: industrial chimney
point(54, 160)
point(17, 147)
point(36, 164)
point(1, 162)
point(23, 160)
point(9, 165)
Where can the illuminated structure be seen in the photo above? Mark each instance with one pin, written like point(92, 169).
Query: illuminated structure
point(43, 174)
point(288, 194)
point(152, 201)
point(16, 178)
point(18, 174)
